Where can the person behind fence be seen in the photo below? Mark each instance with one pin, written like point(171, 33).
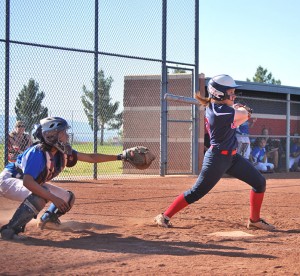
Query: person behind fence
point(242, 135)
point(222, 117)
point(273, 148)
point(26, 179)
point(258, 156)
point(18, 141)
point(294, 158)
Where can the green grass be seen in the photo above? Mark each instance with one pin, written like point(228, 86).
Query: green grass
point(87, 169)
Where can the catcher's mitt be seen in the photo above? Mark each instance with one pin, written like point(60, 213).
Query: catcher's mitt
point(140, 157)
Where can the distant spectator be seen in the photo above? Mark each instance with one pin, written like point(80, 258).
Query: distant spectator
point(273, 149)
point(18, 141)
point(258, 157)
point(242, 135)
point(295, 154)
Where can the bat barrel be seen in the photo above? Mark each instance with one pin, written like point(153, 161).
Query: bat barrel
point(181, 99)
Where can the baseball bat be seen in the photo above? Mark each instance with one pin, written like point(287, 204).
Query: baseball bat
point(181, 99)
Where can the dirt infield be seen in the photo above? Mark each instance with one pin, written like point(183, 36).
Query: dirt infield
point(109, 231)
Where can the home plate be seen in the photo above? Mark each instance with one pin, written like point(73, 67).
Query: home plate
point(231, 234)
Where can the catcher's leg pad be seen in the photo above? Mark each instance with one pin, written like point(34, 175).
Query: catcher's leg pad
point(28, 210)
point(52, 213)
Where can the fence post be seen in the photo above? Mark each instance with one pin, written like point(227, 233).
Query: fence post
point(96, 96)
point(196, 122)
point(163, 102)
point(7, 57)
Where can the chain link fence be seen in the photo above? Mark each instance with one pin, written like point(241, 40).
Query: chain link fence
point(52, 52)
point(276, 118)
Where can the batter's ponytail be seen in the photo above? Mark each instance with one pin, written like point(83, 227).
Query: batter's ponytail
point(202, 101)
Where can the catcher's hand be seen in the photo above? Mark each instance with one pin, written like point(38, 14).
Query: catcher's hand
point(140, 157)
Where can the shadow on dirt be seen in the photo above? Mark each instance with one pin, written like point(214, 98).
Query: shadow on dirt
point(292, 231)
point(116, 243)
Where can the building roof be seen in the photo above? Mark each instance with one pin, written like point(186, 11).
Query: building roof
point(265, 87)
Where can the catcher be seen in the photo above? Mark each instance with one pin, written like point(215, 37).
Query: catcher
point(26, 179)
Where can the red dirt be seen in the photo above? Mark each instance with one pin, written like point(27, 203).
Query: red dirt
point(110, 231)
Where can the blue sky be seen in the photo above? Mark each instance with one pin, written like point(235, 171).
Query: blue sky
point(235, 38)
point(245, 34)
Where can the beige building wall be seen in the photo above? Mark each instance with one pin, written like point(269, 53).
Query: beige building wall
point(142, 115)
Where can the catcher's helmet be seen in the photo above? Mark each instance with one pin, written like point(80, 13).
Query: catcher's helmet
point(217, 86)
point(37, 132)
point(50, 128)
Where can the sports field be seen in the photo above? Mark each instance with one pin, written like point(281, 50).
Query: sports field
point(109, 231)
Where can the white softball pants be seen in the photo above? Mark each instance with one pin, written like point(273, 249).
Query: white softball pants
point(263, 167)
point(13, 188)
point(244, 147)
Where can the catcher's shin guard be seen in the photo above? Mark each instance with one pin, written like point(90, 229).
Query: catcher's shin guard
point(52, 214)
point(28, 210)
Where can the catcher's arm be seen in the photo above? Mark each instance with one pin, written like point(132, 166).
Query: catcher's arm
point(96, 157)
point(140, 157)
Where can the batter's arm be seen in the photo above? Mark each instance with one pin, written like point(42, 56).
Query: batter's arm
point(240, 116)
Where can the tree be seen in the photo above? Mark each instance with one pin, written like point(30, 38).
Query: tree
point(29, 107)
point(107, 111)
point(179, 71)
point(263, 76)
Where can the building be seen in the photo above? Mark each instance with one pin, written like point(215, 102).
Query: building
point(274, 106)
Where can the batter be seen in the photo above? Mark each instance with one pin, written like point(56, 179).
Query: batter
point(222, 119)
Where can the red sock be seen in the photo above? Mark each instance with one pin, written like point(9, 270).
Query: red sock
point(178, 204)
point(256, 200)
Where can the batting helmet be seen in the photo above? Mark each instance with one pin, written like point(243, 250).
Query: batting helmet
point(50, 128)
point(217, 86)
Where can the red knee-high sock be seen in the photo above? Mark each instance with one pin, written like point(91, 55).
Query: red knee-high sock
point(178, 204)
point(256, 200)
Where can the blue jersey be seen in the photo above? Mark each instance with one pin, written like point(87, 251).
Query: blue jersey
point(220, 126)
point(258, 154)
point(34, 162)
point(294, 148)
point(243, 128)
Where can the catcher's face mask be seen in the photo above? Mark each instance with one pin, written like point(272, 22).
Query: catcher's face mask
point(54, 131)
point(63, 144)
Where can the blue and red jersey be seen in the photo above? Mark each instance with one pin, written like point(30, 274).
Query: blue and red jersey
point(33, 161)
point(220, 126)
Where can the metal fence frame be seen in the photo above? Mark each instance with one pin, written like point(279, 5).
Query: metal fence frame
point(164, 62)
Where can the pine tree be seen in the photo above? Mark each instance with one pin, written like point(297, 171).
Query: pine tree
point(263, 76)
point(107, 111)
point(29, 107)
